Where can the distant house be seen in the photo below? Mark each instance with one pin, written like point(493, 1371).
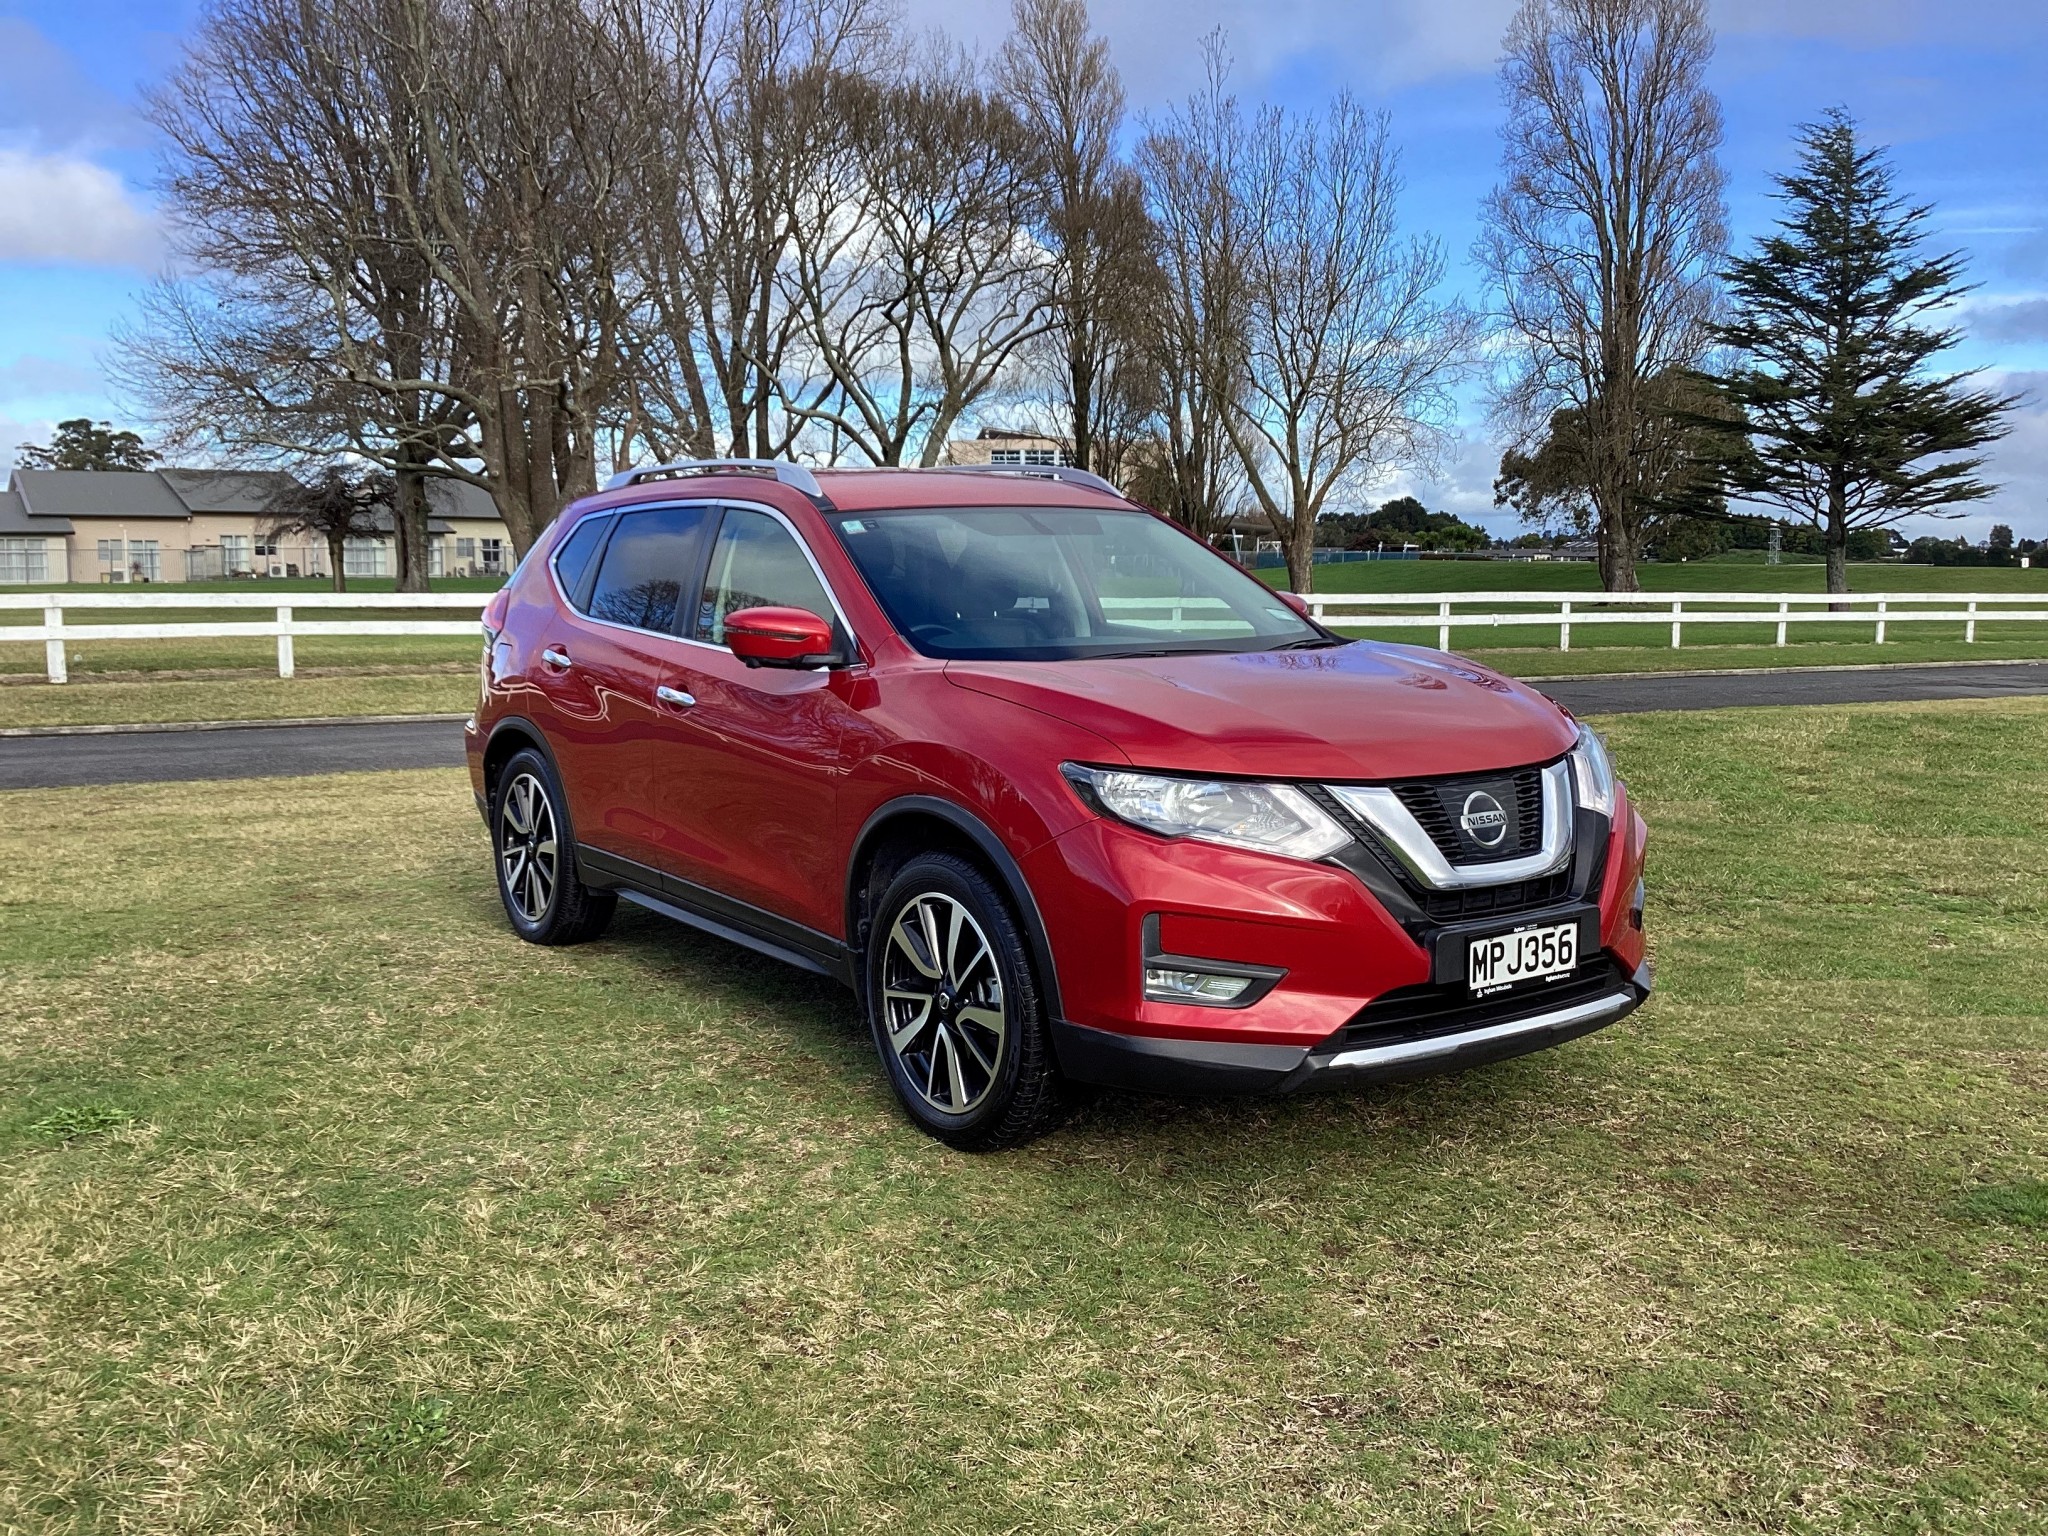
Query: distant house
point(993, 446)
point(175, 525)
point(32, 548)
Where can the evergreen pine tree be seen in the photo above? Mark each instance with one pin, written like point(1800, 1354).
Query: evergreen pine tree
point(1834, 331)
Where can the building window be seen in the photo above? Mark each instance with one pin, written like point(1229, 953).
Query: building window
point(437, 557)
point(144, 560)
point(364, 557)
point(465, 549)
point(234, 554)
point(23, 562)
point(1035, 457)
point(492, 553)
point(266, 545)
point(113, 554)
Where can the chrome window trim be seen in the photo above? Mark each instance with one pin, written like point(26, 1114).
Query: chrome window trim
point(715, 502)
point(1381, 809)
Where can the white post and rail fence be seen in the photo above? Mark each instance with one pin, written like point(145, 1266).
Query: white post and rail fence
point(283, 620)
point(1470, 613)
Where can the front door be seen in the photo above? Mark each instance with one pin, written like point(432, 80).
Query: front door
point(750, 768)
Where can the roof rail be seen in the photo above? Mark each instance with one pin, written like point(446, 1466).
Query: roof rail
point(789, 474)
point(1038, 472)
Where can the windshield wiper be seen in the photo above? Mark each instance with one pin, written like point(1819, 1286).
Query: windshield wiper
point(1313, 643)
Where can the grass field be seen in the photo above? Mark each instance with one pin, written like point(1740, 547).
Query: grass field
point(1689, 576)
point(240, 698)
point(325, 1206)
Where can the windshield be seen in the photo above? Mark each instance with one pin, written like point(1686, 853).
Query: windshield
point(1057, 583)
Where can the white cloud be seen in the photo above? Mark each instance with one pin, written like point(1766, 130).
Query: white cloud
point(14, 433)
point(59, 208)
point(31, 378)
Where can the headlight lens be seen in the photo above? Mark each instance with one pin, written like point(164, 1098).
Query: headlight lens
point(1593, 772)
point(1266, 818)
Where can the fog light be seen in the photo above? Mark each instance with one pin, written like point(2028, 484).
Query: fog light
point(1195, 986)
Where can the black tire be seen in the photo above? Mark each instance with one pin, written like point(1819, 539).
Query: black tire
point(533, 850)
point(977, 1087)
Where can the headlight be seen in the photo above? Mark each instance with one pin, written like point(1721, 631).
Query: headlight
point(1593, 772)
point(1266, 818)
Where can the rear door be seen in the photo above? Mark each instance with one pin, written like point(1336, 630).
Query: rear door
point(617, 644)
point(750, 767)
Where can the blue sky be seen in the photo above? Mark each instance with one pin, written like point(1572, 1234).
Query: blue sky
point(1959, 88)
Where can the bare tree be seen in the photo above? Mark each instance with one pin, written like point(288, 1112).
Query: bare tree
point(1602, 238)
point(310, 330)
point(1057, 77)
point(913, 265)
point(742, 121)
point(334, 506)
point(1340, 361)
point(1197, 319)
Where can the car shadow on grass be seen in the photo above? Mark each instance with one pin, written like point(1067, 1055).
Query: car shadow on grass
point(836, 1066)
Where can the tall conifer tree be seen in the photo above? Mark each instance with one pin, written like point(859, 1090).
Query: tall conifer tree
point(1835, 329)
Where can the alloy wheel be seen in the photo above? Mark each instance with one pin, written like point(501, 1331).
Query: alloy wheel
point(942, 1000)
point(528, 853)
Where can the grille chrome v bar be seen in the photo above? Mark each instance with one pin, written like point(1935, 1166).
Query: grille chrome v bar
point(1382, 810)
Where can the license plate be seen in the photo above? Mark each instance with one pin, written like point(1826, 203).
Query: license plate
point(1503, 960)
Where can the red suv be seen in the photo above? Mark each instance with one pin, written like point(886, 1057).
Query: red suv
point(1065, 796)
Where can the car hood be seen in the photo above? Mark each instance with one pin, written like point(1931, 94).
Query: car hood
point(1360, 711)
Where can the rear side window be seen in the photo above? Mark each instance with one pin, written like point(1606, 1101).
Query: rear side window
point(650, 556)
point(572, 560)
point(756, 563)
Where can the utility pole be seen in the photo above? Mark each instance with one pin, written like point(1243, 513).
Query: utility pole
point(1777, 542)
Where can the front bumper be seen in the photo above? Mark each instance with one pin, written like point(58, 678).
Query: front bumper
point(1179, 1065)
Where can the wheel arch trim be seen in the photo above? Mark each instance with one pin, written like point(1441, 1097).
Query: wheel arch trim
point(989, 845)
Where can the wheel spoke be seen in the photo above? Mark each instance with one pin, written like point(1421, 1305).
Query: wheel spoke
point(518, 816)
point(928, 927)
point(954, 1079)
point(905, 938)
point(966, 1036)
point(901, 1036)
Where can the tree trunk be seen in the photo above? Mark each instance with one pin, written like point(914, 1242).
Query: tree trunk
point(409, 524)
point(1838, 564)
point(334, 562)
point(1617, 554)
point(1301, 554)
point(1838, 538)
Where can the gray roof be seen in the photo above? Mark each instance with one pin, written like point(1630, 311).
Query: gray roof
point(179, 493)
point(243, 492)
point(458, 498)
point(90, 493)
point(15, 519)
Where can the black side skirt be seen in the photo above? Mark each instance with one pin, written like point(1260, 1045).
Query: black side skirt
point(700, 907)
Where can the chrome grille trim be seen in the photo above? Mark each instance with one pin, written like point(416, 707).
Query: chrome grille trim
point(1381, 809)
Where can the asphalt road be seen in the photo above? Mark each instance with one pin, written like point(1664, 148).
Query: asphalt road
point(47, 762)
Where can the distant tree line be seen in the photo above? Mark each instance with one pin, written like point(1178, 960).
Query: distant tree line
point(523, 243)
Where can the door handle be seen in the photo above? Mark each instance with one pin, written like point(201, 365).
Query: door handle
point(674, 696)
point(555, 658)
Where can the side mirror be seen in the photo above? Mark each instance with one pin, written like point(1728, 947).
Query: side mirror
point(780, 637)
point(1295, 601)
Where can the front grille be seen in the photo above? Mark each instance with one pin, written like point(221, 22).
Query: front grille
point(1415, 1013)
point(1509, 899)
point(1437, 805)
point(1513, 897)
